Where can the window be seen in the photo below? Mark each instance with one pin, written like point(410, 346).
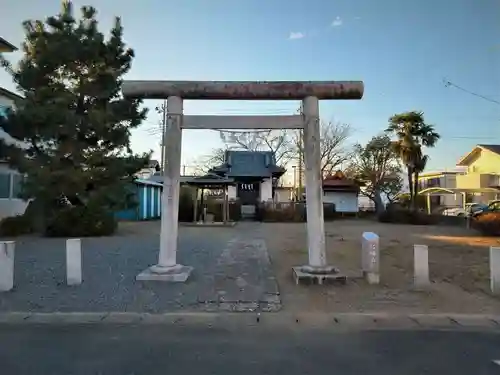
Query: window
point(5, 185)
point(17, 180)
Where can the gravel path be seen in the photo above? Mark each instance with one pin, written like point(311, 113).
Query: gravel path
point(231, 272)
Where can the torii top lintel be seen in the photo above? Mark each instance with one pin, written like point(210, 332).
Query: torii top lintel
point(244, 90)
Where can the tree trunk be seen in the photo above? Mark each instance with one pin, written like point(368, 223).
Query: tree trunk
point(379, 205)
point(410, 184)
point(415, 191)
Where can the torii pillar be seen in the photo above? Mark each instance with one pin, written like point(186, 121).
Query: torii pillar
point(308, 92)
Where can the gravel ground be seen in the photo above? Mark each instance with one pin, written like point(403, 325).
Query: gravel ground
point(231, 272)
point(458, 261)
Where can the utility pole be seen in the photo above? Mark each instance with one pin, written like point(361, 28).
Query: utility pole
point(301, 155)
point(162, 110)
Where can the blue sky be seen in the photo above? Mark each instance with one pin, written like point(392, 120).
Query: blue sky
point(402, 50)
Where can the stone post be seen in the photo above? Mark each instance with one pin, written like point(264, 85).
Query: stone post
point(314, 190)
point(495, 269)
point(74, 261)
point(7, 265)
point(370, 257)
point(421, 266)
point(167, 268)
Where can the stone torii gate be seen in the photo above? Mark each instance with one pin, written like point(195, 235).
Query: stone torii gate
point(310, 93)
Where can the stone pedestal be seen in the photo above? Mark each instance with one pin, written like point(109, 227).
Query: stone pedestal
point(73, 261)
point(176, 274)
point(318, 275)
point(370, 257)
point(7, 265)
point(495, 269)
point(421, 266)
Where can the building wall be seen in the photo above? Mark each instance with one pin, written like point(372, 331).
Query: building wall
point(282, 195)
point(10, 179)
point(344, 201)
point(148, 207)
point(232, 192)
point(486, 162)
point(266, 190)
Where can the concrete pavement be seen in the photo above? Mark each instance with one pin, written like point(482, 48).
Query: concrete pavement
point(335, 321)
point(116, 349)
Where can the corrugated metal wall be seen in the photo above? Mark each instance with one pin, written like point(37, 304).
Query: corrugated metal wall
point(149, 197)
point(149, 204)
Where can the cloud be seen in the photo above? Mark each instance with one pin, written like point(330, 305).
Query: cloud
point(357, 18)
point(337, 22)
point(296, 35)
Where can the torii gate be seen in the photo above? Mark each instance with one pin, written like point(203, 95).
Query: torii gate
point(309, 92)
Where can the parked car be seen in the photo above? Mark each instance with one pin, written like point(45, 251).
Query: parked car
point(492, 207)
point(470, 210)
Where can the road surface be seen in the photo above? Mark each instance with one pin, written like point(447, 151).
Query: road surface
point(158, 349)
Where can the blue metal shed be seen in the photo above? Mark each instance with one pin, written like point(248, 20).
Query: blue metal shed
point(148, 196)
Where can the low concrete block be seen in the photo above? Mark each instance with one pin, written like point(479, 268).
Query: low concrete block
point(7, 265)
point(421, 266)
point(74, 261)
point(370, 257)
point(495, 269)
point(178, 275)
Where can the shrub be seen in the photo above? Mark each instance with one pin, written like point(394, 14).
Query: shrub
point(405, 216)
point(215, 207)
point(81, 221)
point(15, 226)
point(290, 212)
point(488, 223)
point(281, 212)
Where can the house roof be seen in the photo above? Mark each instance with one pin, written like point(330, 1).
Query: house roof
point(208, 180)
point(340, 182)
point(9, 94)
point(466, 159)
point(249, 164)
point(141, 181)
point(6, 46)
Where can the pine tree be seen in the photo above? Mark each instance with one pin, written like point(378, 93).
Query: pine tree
point(73, 120)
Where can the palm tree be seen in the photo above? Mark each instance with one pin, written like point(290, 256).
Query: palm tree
point(420, 161)
point(412, 133)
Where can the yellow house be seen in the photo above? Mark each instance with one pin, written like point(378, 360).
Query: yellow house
point(483, 172)
point(443, 180)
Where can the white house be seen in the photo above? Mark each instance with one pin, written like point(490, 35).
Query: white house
point(342, 192)
point(10, 180)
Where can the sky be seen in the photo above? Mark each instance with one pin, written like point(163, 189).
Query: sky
point(403, 51)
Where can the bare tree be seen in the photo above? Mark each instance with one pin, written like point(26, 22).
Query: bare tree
point(280, 142)
point(334, 150)
point(207, 162)
point(287, 146)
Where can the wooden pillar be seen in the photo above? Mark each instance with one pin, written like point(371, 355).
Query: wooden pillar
point(224, 205)
point(195, 207)
point(202, 203)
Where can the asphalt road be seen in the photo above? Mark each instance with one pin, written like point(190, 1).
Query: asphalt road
point(148, 350)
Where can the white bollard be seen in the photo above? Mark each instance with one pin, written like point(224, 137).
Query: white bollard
point(495, 269)
point(421, 266)
point(370, 257)
point(7, 265)
point(74, 261)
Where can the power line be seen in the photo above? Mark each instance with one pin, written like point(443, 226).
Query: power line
point(449, 83)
